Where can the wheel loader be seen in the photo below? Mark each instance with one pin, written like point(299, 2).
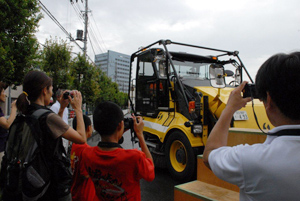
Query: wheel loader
point(181, 91)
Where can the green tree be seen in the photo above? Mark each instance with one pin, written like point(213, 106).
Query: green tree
point(109, 91)
point(56, 61)
point(122, 99)
point(85, 79)
point(18, 45)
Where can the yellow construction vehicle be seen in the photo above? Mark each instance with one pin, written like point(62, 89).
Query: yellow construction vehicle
point(181, 95)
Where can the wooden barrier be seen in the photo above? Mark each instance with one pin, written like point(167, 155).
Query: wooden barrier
point(207, 176)
point(197, 190)
point(208, 186)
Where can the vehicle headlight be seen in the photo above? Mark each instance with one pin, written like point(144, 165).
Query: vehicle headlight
point(197, 129)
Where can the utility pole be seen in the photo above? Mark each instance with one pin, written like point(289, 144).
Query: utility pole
point(85, 28)
point(80, 32)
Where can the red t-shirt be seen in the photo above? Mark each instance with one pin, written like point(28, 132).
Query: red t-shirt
point(82, 186)
point(116, 174)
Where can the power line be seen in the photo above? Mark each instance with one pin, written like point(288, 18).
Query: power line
point(61, 27)
point(95, 39)
point(99, 32)
point(57, 23)
point(91, 36)
point(53, 18)
point(77, 12)
point(91, 44)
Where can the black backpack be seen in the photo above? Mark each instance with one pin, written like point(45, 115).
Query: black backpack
point(25, 173)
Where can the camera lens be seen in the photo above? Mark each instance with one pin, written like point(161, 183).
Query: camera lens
point(66, 95)
point(128, 123)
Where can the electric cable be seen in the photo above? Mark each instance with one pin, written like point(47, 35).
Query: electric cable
point(255, 117)
point(99, 33)
point(78, 13)
point(91, 44)
point(95, 39)
point(58, 24)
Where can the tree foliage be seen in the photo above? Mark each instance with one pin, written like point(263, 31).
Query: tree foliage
point(18, 45)
point(109, 91)
point(85, 77)
point(78, 73)
point(56, 61)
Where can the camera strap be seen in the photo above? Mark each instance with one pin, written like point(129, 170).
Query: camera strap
point(109, 145)
point(288, 132)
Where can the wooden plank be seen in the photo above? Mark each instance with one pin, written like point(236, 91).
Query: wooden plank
point(206, 175)
point(197, 190)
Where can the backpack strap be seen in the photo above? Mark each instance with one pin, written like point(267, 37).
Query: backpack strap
point(36, 114)
point(39, 112)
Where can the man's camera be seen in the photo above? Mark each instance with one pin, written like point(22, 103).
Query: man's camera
point(67, 94)
point(128, 123)
point(249, 91)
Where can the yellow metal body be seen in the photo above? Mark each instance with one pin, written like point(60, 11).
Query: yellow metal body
point(217, 98)
point(167, 121)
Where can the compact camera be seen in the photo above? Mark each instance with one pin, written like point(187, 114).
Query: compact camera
point(128, 123)
point(67, 94)
point(249, 91)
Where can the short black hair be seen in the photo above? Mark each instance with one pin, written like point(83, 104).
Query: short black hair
point(279, 76)
point(106, 118)
point(87, 122)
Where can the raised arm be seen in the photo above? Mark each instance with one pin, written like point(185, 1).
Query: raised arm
point(5, 123)
point(138, 128)
point(63, 104)
point(219, 134)
point(78, 136)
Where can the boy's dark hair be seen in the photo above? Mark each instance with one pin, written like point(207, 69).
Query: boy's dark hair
point(107, 117)
point(279, 76)
point(87, 122)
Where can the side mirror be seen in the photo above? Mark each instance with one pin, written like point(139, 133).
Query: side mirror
point(229, 73)
point(217, 76)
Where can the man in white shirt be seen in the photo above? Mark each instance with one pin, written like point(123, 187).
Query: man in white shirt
point(60, 108)
point(267, 171)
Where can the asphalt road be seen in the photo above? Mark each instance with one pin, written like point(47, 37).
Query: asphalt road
point(161, 188)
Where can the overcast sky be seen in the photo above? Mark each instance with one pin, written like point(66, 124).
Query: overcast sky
point(256, 28)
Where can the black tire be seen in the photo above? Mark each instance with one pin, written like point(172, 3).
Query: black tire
point(180, 157)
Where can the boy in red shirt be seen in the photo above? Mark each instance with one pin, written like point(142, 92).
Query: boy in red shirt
point(116, 172)
point(82, 186)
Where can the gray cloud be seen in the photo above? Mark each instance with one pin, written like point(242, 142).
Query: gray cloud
point(257, 29)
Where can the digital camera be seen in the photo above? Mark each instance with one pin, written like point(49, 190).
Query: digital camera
point(249, 91)
point(67, 94)
point(128, 123)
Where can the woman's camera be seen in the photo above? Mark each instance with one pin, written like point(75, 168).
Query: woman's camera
point(67, 94)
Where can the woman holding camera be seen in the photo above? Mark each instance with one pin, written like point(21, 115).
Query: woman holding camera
point(37, 92)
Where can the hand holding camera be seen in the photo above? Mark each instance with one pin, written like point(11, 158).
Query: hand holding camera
point(236, 101)
point(76, 100)
point(249, 91)
point(138, 126)
point(134, 123)
point(67, 94)
point(64, 100)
